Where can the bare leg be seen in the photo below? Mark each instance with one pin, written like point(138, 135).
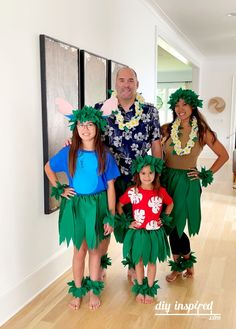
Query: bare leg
point(78, 271)
point(103, 248)
point(151, 273)
point(131, 275)
point(139, 269)
point(174, 274)
point(94, 271)
point(190, 271)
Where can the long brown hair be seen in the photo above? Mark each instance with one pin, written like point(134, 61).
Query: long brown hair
point(156, 182)
point(77, 144)
point(203, 127)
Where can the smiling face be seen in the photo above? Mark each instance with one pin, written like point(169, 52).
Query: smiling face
point(146, 177)
point(183, 110)
point(86, 130)
point(126, 84)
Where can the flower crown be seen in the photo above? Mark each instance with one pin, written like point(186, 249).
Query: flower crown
point(88, 113)
point(156, 164)
point(188, 95)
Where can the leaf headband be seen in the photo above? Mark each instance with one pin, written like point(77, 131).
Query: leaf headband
point(188, 95)
point(156, 164)
point(87, 113)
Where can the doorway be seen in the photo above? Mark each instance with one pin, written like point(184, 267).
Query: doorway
point(173, 71)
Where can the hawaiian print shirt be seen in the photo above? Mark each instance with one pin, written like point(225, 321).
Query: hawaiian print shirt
point(127, 145)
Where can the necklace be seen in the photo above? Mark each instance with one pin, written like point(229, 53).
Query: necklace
point(134, 121)
point(176, 141)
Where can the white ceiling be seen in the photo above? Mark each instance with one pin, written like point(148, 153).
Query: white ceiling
point(203, 22)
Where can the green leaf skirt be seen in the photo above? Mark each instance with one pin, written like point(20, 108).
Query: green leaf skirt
point(146, 245)
point(81, 218)
point(186, 196)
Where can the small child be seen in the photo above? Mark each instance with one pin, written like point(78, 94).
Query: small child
point(146, 239)
point(88, 203)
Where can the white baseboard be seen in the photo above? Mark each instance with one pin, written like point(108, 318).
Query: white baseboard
point(15, 299)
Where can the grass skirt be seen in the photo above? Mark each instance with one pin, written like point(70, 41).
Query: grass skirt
point(146, 245)
point(120, 228)
point(81, 218)
point(186, 195)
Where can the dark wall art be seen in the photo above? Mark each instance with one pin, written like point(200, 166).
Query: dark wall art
point(113, 68)
point(70, 79)
point(94, 78)
point(60, 94)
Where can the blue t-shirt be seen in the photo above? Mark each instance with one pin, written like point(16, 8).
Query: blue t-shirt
point(86, 179)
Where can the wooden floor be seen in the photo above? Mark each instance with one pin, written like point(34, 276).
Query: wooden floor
point(214, 282)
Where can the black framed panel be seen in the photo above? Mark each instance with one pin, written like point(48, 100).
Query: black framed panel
point(94, 78)
point(60, 94)
point(113, 68)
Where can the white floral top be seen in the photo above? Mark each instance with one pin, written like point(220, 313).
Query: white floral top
point(146, 206)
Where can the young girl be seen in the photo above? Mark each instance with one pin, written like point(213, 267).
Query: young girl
point(183, 141)
point(88, 203)
point(146, 239)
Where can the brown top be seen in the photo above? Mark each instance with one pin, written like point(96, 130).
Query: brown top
point(184, 161)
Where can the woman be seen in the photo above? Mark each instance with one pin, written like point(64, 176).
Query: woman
point(183, 141)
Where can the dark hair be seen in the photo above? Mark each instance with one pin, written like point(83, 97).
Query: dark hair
point(156, 182)
point(76, 145)
point(203, 126)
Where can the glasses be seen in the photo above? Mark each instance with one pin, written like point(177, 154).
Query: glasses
point(88, 125)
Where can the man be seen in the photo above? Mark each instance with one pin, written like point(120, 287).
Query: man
point(127, 141)
point(133, 129)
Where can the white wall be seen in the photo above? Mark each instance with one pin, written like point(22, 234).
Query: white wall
point(125, 31)
point(30, 256)
point(134, 42)
point(174, 76)
point(216, 80)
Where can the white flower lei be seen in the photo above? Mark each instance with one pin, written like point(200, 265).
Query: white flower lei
point(176, 141)
point(134, 121)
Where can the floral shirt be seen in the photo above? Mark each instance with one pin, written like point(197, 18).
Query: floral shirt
point(127, 145)
point(146, 206)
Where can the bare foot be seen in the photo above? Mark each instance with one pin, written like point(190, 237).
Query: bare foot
point(94, 301)
point(148, 299)
point(103, 274)
point(75, 304)
point(140, 298)
point(172, 276)
point(131, 275)
point(189, 273)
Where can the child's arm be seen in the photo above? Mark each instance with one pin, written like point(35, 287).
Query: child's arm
point(120, 208)
point(120, 212)
point(68, 192)
point(169, 208)
point(111, 197)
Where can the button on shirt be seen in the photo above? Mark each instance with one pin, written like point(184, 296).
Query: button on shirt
point(127, 145)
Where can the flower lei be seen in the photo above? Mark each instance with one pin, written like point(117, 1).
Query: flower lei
point(134, 121)
point(176, 141)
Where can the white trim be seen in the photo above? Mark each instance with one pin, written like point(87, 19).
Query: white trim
point(19, 296)
point(232, 117)
point(170, 33)
point(155, 62)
